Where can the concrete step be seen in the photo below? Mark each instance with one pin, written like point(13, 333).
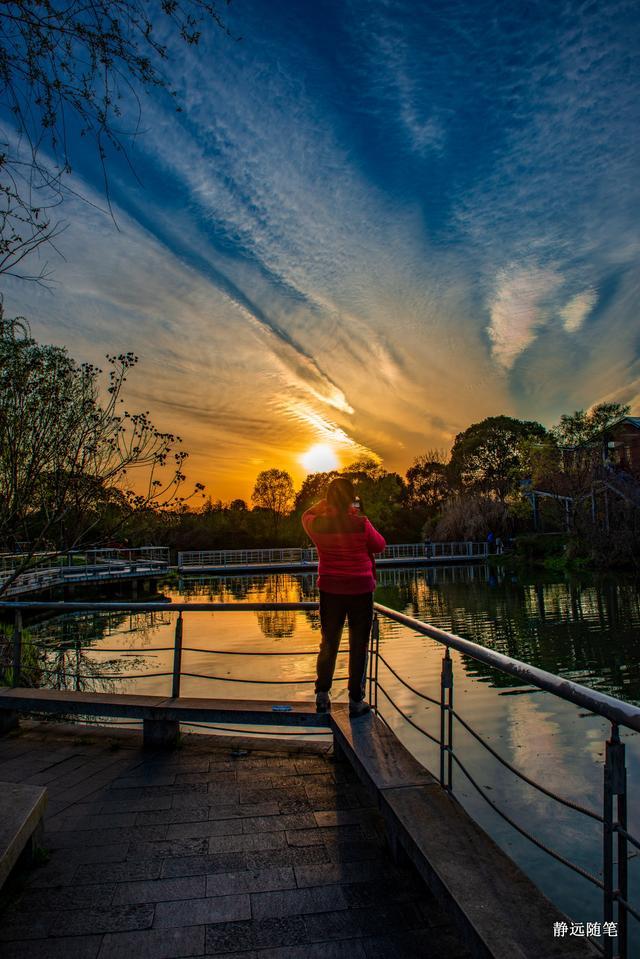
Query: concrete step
point(21, 811)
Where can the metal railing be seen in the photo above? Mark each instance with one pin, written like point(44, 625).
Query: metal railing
point(203, 559)
point(46, 570)
point(613, 818)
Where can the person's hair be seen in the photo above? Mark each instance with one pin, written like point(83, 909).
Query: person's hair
point(340, 494)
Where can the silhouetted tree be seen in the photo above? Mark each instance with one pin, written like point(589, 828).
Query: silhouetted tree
point(67, 452)
point(581, 426)
point(490, 457)
point(75, 70)
point(428, 480)
point(274, 492)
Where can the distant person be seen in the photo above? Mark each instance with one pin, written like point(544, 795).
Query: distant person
point(499, 546)
point(346, 542)
point(490, 541)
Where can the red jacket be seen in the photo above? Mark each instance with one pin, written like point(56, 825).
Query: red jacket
point(345, 547)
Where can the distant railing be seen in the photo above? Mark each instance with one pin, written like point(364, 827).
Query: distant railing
point(613, 819)
point(46, 570)
point(404, 552)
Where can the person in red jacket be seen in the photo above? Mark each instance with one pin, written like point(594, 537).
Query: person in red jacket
point(346, 542)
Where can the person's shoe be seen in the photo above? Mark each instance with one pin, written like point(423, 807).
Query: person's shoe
point(358, 708)
point(323, 702)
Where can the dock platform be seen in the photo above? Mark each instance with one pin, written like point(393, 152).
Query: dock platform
point(224, 847)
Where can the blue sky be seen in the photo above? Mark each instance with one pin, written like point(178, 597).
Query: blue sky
point(372, 224)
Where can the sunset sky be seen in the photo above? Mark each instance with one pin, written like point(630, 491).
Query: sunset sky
point(373, 223)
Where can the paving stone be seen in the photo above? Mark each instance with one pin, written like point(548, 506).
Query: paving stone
point(251, 880)
point(153, 817)
point(228, 937)
point(83, 821)
point(297, 902)
point(136, 805)
point(379, 893)
point(204, 865)
point(78, 923)
point(349, 923)
point(154, 943)
point(119, 871)
point(66, 839)
point(77, 947)
point(346, 817)
point(344, 872)
point(151, 778)
point(183, 764)
point(250, 794)
point(275, 823)
point(53, 873)
point(288, 856)
point(313, 764)
point(115, 852)
point(419, 944)
point(290, 806)
point(68, 897)
point(162, 849)
point(208, 827)
point(226, 797)
point(246, 842)
point(160, 890)
point(326, 799)
point(356, 851)
point(338, 949)
point(149, 792)
point(328, 834)
point(199, 911)
point(260, 778)
point(309, 780)
point(247, 810)
point(265, 762)
point(208, 776)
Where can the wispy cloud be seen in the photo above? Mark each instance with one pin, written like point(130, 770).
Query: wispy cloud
point(518, 309)
point(577, 310)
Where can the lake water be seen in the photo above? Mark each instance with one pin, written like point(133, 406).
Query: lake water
point(587, 631)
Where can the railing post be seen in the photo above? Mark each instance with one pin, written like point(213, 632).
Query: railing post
point(615, 880)
point(370, 656)
point(446, 720)
point(376, 641)
point(177, 658)
point(17, 648)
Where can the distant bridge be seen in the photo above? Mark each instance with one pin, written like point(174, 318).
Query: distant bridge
point(95, 566)
point(401, 554)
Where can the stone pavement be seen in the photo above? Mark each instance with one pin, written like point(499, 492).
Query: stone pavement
point(269, 852)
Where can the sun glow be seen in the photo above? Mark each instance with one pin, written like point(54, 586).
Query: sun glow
point(319, 459)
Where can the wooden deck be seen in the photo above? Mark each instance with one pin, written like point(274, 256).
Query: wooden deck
point(264, 852)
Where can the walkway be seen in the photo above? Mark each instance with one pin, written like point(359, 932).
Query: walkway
point(266, 852)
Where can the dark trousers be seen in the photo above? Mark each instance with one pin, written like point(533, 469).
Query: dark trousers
point(334, 609)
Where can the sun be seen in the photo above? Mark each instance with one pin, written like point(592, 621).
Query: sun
point(319, 459)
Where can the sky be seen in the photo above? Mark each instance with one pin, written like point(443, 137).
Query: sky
point(373, 223)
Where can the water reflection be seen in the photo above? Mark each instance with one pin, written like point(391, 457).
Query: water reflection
point(65, 646)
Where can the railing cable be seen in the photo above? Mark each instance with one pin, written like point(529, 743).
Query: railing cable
point(565, 802)
point(404, 716)
point(523, 832)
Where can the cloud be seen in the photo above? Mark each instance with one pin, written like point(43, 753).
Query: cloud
point(518, 310)
point(577, 310)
